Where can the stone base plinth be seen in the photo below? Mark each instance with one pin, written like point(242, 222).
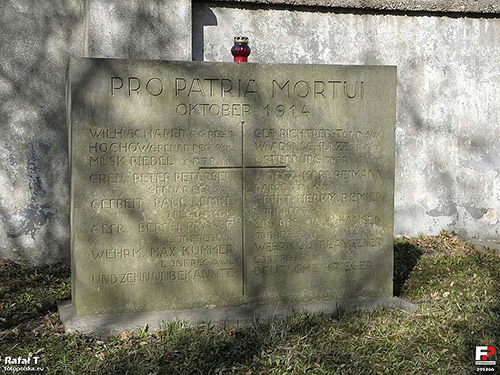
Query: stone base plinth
point(106, 325)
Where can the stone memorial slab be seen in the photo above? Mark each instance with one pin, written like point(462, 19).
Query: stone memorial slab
point(210, 185)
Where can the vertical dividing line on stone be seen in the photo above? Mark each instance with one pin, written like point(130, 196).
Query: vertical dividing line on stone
point(242, 210)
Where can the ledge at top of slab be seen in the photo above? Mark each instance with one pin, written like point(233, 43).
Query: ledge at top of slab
point(433, 6)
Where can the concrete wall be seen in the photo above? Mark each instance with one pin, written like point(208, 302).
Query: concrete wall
point(36, 39)
point(448, 127)
point(448, 123)
point(138, 29)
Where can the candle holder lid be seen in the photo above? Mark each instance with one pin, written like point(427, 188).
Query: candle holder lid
point(241, 39)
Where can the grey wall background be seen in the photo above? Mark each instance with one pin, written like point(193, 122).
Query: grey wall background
point(448, 126)
point(37, 37)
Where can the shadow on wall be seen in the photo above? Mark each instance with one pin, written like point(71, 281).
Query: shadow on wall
point(445, 169)
point(134, 30)
point(34, 195)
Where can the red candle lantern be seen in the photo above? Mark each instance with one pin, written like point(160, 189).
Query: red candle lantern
point(241, 49)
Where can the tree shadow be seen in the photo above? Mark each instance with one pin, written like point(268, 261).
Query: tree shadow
point(34, 189)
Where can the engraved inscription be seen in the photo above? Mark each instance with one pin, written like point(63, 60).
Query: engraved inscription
point(200, 184)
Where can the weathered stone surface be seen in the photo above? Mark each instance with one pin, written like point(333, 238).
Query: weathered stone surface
point(138, 29)
point(447, 153)
point(212, 184)
point(36, 39)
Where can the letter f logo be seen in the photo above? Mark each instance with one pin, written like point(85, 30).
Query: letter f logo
point(483, 352)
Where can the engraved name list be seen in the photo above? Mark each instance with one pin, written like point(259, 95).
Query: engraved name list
point(215, 184)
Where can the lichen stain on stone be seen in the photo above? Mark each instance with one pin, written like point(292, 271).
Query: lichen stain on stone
point(36, 214)
point(35, 181)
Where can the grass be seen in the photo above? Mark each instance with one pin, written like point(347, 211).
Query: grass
point(456, 287)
